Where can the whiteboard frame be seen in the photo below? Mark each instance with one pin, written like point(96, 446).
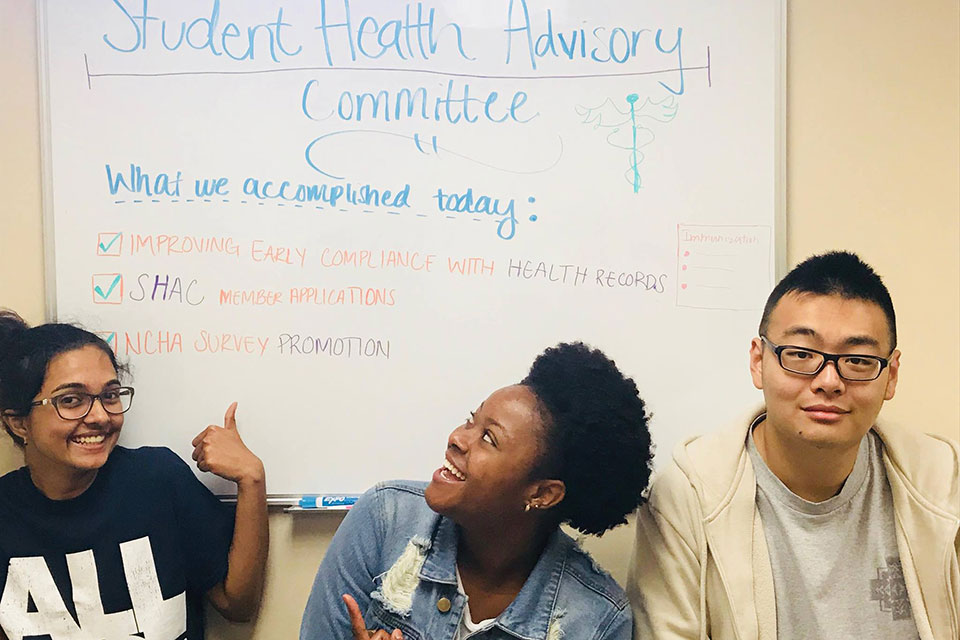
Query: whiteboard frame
point(46, 168)
point(46, 160)
point(780, 148)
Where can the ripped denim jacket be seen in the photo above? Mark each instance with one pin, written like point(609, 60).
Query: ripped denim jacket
point(398, 559)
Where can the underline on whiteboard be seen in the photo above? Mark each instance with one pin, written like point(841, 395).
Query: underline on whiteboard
point(391, 212)
point(624, 74)
point(714, 268)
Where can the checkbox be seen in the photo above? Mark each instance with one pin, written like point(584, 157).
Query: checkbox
point(110, 337)
point(107, 288)
point(109, 243)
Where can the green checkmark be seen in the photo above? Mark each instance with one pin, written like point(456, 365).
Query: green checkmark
point(110, 290)
point(106, 247)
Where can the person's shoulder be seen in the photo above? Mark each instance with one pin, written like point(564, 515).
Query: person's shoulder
point(914, 442)
point(594, 581)
point(397, 503)
point(148, 462)
point(12, 477)
point(146, 457)
point(672, 491)
point(702, 471)
point(715, 450)
point(928, 462)
point(406, 490)
point(399, 494)
point(12, 483)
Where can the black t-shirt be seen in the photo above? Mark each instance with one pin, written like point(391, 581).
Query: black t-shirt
point(132, 556)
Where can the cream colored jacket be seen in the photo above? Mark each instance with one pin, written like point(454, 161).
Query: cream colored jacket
point(700, 567)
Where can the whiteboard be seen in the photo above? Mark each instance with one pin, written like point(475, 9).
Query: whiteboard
point(359, 218)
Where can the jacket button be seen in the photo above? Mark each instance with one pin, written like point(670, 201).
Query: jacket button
point(443, 605)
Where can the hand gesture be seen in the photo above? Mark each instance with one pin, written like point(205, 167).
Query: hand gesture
point(220, 450)
point(360, 631)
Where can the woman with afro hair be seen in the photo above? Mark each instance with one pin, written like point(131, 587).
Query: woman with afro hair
point(478, 552)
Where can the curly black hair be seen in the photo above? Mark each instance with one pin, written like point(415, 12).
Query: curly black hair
point(597, 441)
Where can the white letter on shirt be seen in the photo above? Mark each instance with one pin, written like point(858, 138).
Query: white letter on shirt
point(86, 599)
point(26, 578)
point(157, 619)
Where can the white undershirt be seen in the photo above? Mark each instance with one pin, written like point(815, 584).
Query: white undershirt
point(467, 626)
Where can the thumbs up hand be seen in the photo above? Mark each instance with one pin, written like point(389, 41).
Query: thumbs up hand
point(221, 451)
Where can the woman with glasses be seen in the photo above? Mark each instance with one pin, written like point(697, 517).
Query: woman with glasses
point(478, 552)
point(97, 540)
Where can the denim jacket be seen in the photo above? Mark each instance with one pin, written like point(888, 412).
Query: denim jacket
point(398, 559)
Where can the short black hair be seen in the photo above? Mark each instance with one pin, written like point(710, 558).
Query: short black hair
point(836, 273)
point(596, 437)
point(26, 352)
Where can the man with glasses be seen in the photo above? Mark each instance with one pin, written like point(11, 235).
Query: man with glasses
point(810, 521)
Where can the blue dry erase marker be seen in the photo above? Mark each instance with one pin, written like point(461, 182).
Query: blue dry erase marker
point(328, 502)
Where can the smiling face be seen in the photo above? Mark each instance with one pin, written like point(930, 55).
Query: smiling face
point(489, 458)
point(824, 410)
point(68, 453)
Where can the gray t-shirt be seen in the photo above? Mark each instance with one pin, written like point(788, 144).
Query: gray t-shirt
point(836, 566)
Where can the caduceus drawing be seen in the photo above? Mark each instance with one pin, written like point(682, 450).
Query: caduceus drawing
point(630, 126)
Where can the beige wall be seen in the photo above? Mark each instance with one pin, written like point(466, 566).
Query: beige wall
point(873, 159)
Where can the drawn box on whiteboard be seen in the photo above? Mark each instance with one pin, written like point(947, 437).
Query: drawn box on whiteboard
point(723, 266)
point(107, 288)
point(110, 337)
point(109, 243)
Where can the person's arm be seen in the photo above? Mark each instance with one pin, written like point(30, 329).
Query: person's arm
point(220, 450)
point(349, 567)
point(663, 582)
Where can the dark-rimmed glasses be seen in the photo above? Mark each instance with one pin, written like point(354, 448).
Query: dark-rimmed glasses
point(75, 405)
point(855, 367)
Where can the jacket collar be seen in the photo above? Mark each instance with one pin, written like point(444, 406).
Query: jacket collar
point(717, 464)
point(719, 469)
point(922, 467)
point(440, 564)
point(529, 615)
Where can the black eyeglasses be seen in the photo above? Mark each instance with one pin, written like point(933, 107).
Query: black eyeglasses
point(855, 367)
point(75, 405)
